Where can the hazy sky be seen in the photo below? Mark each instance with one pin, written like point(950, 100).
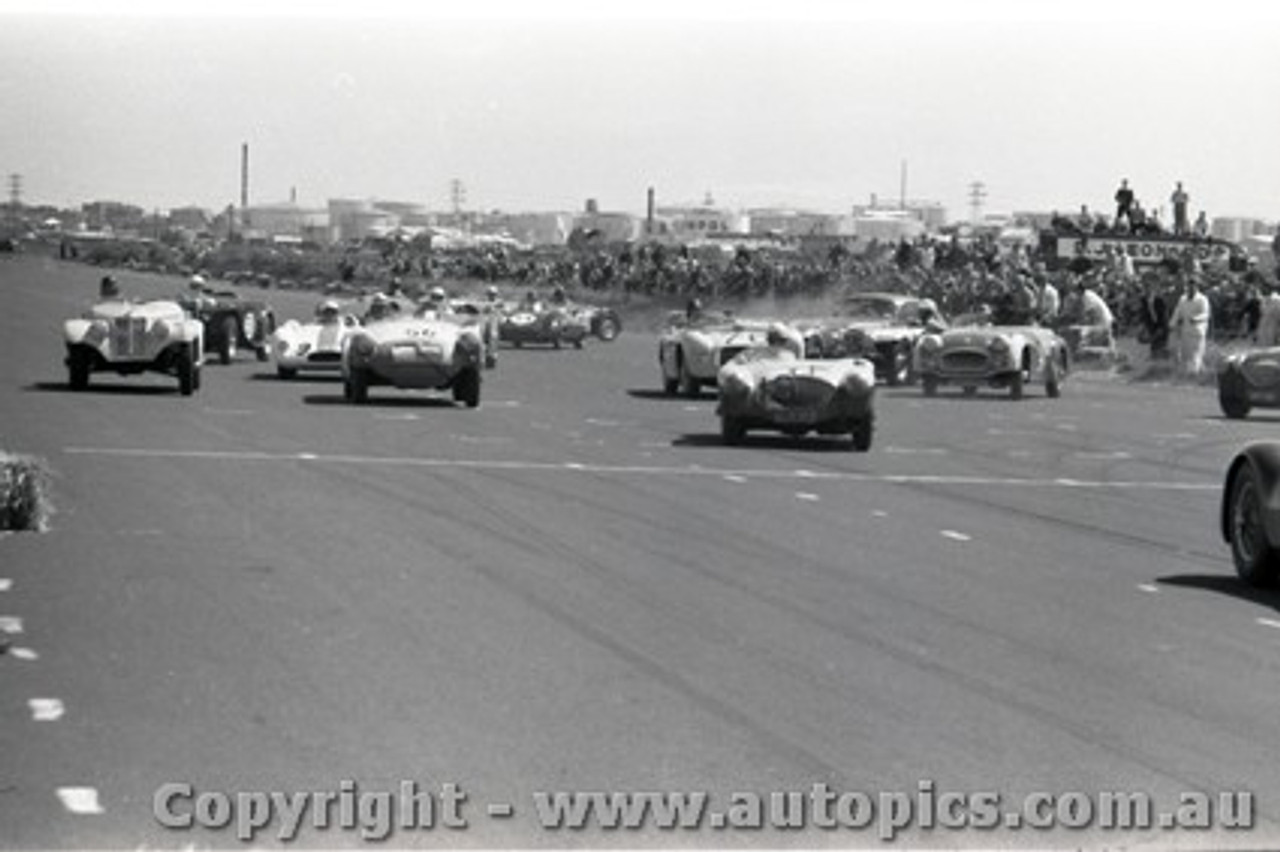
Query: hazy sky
point(539, 106)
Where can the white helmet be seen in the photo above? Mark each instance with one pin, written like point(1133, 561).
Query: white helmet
point(437, 294)
point(196, 282)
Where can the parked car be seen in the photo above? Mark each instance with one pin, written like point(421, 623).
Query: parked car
point(230, 323)
point(1249, 380)
point(1249, 514)
point(978, 353)
point(778, 389)
point(426, 350)
point(127, 338)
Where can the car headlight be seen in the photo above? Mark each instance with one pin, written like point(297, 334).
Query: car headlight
point(159, 331)
point(998, 346)
point(97, 332)
point(930, 345)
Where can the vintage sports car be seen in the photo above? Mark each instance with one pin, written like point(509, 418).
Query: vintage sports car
point(230, 323)
point(314, 346)
point(773, 388)
point(1249, 379)
point(535, 322)
point(127, 338)
point(485, 316)
point(1250, 513)
point(977, 354)
point(426, 350)
point(692, 351)
point(891, 320)
point(603, 323)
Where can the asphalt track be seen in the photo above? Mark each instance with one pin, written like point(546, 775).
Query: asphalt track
point(576, 587)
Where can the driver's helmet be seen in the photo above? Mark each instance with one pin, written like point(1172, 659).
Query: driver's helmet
point(108, 288)
point(530, 297)
point(491, 293)
point(557, 296)
point(436, 296)
point(327, 310)
point(928, 310)
point(379, 306)
point(196, 284)
point(777, 335)
point(694, 308)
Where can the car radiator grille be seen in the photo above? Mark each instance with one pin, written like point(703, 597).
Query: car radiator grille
point(799, 392)
point(965, 362)
point(129, 337)
point(324, 357)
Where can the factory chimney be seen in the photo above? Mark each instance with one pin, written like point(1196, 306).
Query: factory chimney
point(244, 175)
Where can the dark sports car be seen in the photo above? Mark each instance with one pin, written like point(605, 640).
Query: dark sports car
point(1250, 513)
point(1249, 380)
point(230, 323)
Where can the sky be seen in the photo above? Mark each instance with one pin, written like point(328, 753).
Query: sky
point(810, 104)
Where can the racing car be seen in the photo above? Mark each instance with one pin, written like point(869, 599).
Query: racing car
point(538, 323)
point(1249, 514)
point(779, 389)
point(977, 353)
point(314, 346)
point(230, 323)
point(692, 350)
point(1247, 380)
point(892, 322)
point(124, 337)
point(424, 350)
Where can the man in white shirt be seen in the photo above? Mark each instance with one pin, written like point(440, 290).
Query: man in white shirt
point(1268, 333)
point(1191, 327)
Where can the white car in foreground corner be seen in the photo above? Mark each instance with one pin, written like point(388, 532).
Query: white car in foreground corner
point(427, 351)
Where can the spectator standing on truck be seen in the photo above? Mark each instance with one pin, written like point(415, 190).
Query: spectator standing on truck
point(1181, 225)
point(1124, 203)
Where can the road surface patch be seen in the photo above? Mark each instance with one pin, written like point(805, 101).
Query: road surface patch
point(80, 800)
point(46, 709)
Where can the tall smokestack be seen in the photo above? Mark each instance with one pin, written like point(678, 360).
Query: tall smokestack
point(902, 196)
point(244, 175)
point(648, 217)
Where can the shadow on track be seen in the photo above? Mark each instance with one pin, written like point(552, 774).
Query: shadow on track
point(389, 400)
point(659, 394)
point(113, 389)
point(1269, 416)
point(300, 379)
point(1225, 584)
point(806, 443)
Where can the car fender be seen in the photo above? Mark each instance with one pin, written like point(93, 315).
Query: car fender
point(1264, 458)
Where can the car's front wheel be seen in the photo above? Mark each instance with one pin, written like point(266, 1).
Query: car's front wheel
point(1233, 399)
point(229, 345)
point(78, 368)
point(186, 364)
point(1257, 562)
point(732, 432)
point(929, 383)
point(1017, 384)
point(1052, 383)
point(607, 330)
point(689, 385)
point(355, 386)
point(862, 434)
point(466, 388)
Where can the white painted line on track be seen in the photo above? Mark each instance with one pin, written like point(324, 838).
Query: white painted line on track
point(879, 513)
point(647, 470)
point(731, 477)
point(1174, 436)
point(46, 709)
point(5, 584)
point(695, 408)
point(954, 536)
point(396, 417)
point(10, 624)
point(1019, 454)
point(1066, 427)
point(1269, 622)
point(502, 403)
point(807, 495)
point(21, 653)
point(80, 800)
point(1103, 456)
point(1149, 588)
point(597, 421)
point(915, 451)
point(805, 474)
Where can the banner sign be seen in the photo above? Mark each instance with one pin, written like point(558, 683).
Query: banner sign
point(1142, 249)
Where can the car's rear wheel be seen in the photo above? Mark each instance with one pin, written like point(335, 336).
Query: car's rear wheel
point(229, 345)
point(732, 432)
point(1232, 396)
point(862, 432)
point(78, 368)
point(607, 329)
point(186, 365)
point(1257, 562)
point(929, 383)
point(466, 388)
point(1017, 385)
point(355, 386)
point(286, 373)
point(1052, 386)
point(689, 385)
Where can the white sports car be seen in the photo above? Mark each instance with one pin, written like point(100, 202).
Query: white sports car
point(692, 351)
point(427, 350)
point(314, 346)
point(773, 388)
point(125, 337)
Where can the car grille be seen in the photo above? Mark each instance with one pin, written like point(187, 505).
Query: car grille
point(728, 353)
point(128, 337)
point(799, 391)
point(965, 362)
point(324, 357)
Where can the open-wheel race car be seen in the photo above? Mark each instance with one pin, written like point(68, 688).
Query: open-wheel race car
point(891, 321)
point(601, 322)
point(691, 351)
point(427, 350)
point(979, 354)
point(127, 338)
point(777, 388)
point(315, 346)
point(1249, 380)
point(1249, 514)
point(230, 323)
